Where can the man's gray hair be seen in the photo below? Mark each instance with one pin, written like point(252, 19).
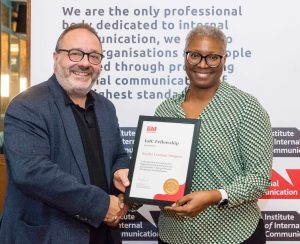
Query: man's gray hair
point(74, 27)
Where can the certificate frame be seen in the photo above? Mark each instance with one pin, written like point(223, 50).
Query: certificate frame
point(155, 154)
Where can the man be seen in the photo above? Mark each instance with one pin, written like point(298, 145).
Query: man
point(234, 154)
point(63, 150)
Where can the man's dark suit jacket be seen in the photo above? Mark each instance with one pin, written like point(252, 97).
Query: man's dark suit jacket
point(49, 196)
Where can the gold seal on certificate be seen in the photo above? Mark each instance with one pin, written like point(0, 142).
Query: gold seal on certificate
point(171, 186)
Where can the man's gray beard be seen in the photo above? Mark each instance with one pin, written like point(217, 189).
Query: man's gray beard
point(81, 92)
point(74, 91)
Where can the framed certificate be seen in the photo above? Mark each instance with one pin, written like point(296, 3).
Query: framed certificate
point(162, 160)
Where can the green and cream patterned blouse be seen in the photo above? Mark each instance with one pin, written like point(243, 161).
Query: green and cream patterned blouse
point(234, 153)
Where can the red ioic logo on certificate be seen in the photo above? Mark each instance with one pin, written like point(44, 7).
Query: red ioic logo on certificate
point(151, 129)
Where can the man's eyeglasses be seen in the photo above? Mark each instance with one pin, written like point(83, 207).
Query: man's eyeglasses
point(76, 55)
point(212, 60)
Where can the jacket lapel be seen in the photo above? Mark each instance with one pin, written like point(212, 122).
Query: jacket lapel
point(70, 126)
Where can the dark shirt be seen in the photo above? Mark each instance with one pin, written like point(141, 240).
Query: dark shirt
point(91, 141)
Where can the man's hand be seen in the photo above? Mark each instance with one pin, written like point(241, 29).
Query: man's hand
point(123, 206)
point(193, 204)
point(111, 217)
point(117, 209)
point(121, 179)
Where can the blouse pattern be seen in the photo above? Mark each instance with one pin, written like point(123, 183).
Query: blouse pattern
point(234, 153)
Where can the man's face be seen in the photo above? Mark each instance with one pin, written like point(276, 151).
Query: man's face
point(77, 78)
point(201, 75)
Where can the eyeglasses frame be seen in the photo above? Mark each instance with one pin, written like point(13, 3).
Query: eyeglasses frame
point(204, 57)
point(84, 53)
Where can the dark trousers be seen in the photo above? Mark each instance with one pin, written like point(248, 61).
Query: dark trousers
point(258, 237)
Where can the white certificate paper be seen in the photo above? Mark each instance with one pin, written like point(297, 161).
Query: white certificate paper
point(162, 160)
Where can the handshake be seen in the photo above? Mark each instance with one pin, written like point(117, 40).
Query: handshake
point(117, 208)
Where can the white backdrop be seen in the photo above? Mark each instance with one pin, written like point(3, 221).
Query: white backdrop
point(144, 42)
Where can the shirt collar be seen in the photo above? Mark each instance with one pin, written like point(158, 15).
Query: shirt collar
point(90, 100)
point(221, 93)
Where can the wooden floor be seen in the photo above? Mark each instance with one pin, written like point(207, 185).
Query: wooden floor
point(3, 181)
